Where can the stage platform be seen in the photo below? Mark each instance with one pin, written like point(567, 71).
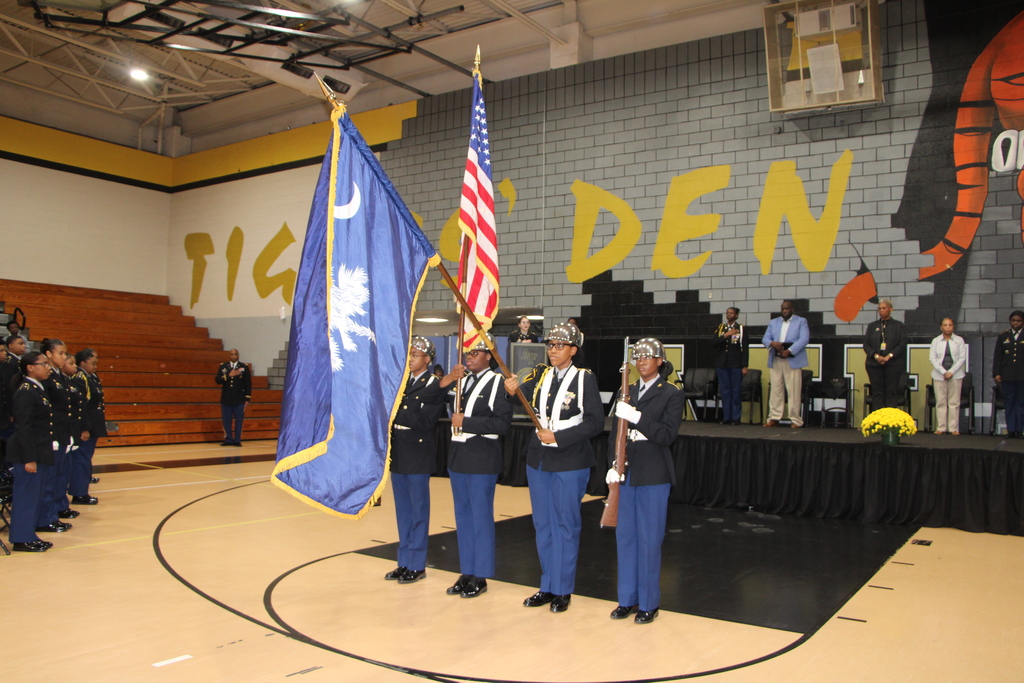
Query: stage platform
point(969, 482)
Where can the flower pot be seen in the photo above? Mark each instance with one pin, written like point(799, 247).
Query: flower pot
point(890, 438)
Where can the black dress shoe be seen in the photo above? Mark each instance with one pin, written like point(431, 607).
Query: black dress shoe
point(29, 547)
point(459, 585)
point(646, 617)
point(68, 514)
point(45, 544)
point(475, 587)
point(94, 480)
point(621, 612)
point(539, 598)
point(237, 443)
point(55, 527)
point(225, 443)
point(411, 576)
point(85, 500)
point(395, 574)
point(560, 603)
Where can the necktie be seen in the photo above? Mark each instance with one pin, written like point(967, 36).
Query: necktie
point(468, 389)
point(553, 391)
point(408, 384)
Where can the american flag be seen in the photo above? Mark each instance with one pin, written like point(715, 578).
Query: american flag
point(478, 266)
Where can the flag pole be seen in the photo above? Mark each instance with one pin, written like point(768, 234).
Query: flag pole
point(487, 340)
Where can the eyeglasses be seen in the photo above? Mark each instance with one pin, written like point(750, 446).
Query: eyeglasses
point(474, 354)
point(557, 346)
point(47, 364)
point(421, 355)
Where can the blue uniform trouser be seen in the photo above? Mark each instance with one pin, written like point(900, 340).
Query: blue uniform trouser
point(473, 495)
point(555, 498)
point(729, 382)
point(412, 511)
point(26, 508)
point(229, 414)
point(55, 486)
point(1013, 401)
point(81, 468)
point(639, 533)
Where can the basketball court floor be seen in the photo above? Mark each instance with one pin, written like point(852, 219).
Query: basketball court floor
point(193, 569)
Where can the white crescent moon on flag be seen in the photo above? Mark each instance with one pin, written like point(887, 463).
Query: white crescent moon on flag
point(350, 209)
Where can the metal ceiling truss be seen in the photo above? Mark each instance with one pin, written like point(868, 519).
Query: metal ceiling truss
point(204, 50)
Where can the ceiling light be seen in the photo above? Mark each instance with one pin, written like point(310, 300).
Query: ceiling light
point(139, 74)
point(431, 320)
point(535, 317)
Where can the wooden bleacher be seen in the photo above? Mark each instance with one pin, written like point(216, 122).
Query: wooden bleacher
point(157, 367)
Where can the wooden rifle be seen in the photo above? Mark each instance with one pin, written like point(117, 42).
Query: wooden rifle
point(610, 516)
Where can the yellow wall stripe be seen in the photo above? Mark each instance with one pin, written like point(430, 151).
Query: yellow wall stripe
point(55, 146)
point(48, 144)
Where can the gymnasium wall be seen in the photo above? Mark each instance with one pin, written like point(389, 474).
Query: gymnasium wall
point(70, 229)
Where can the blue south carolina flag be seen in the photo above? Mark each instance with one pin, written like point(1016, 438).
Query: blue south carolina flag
point(363, 263)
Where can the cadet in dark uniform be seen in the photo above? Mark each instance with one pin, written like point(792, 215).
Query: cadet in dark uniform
point(731, 364)
point(65, 432)
point(235, 382)
point(654, 413)
point(15, 346)
point(413, 459)
point(1008, 371)
point(567, 401)
point(474, 462)
point(30, 453)
point(523, 333)
point(94, 425)
point(886, 347)
point(77, 392)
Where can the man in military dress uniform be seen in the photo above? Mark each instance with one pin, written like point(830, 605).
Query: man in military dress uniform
point(475, 457)
point(731, 364)
point(235, 382)
point(654, 412)
point(559, 456)
point(413, 459)
point(1008, 371)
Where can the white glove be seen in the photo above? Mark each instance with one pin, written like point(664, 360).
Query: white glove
point(627, 412)
point(613, 477)
point(56, 446)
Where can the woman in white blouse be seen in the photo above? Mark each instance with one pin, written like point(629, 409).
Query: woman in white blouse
point(949, 357)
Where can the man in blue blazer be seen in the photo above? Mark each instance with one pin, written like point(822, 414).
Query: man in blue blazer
point(786, 339)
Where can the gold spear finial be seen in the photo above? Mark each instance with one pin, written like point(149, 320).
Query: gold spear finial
point(331, 96)
point(476, 62)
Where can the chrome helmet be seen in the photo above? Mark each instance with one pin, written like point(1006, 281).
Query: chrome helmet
point(481, 345)
point(423, 344)
point(648, 347)
point(565, 332)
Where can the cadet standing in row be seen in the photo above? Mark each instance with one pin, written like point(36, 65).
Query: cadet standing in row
point(654, 412)
point(559, 456)
point(475, 458)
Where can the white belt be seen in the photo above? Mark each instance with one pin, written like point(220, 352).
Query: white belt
point(634, 435)
point(400, 427)
point(463, 437)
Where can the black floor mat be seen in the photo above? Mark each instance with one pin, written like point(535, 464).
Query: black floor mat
point(788, 573)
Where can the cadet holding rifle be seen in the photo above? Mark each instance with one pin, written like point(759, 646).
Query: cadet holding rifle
point(653, 410)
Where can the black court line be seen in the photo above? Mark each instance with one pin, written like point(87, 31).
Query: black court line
point(286, 630)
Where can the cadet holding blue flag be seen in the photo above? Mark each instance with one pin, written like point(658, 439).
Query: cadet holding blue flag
point(413, 459)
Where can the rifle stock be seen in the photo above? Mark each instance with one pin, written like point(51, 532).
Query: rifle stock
point(610, 516)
